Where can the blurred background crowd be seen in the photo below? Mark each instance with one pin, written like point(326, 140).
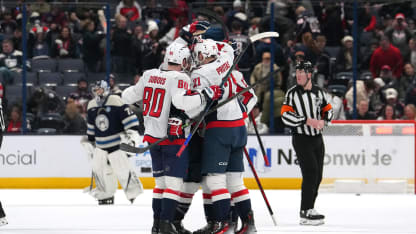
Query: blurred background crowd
point(67, 44)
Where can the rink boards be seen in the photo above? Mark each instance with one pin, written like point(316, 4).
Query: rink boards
point(61, 162)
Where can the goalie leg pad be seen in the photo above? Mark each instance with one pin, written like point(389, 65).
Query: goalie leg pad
point(105, 179)
point(123, 169)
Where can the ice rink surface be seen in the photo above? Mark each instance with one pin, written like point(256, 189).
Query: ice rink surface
point(73, 212)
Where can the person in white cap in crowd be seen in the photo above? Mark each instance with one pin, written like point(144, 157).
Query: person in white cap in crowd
point(344, 57)
point(387, 76)
point(377, 99)
point(391, 95)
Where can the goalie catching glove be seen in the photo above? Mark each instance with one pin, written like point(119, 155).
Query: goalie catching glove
point(175, 129)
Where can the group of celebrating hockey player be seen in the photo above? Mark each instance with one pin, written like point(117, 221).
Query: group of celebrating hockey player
point(174, 94)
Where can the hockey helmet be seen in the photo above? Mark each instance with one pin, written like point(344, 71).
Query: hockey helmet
point(100, 89)
point(304, 65)
point(206, 48)
point(185, 34)
point(176, 53)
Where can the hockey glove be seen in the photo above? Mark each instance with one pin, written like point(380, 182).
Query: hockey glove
point(131, 137)
point(212, 93)
point(175, 129)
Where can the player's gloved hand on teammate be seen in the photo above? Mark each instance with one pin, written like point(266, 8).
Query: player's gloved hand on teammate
point(212, 93)
point(175, 129)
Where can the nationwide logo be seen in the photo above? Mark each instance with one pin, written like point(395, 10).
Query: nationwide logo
point(18, 158)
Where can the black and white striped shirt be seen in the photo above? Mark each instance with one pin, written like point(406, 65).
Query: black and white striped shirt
point(301, 104)
point(2, 125)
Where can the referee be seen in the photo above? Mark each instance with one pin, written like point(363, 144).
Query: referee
point(306, 110)
point(3, 220)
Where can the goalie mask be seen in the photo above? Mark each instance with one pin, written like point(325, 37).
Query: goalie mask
point(178, 54)
point(101, 90)
point(204, 49)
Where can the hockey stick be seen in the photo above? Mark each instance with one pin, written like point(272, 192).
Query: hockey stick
point(136, 150)
point(208, 106)
point(260, 186)
point(266, 160)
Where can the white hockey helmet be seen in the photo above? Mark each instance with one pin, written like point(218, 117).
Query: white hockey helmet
point(206, 48)
point(176, 53)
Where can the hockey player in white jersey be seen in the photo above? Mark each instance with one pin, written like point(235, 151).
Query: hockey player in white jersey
point(225, 137)
point(109, 120)
point(156, 88)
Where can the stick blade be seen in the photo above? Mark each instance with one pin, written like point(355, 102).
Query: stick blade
point(262, 35)
point(274, 220)
point(132, 149)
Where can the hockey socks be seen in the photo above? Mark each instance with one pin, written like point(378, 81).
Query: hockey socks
point(157, 202)
point(169, 204)
point(208, 210)
point(242, 202)
point(221, 203)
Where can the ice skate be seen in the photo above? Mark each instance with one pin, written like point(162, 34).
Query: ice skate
point(311, 217)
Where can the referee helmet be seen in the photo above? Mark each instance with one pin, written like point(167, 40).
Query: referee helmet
point(304, 65)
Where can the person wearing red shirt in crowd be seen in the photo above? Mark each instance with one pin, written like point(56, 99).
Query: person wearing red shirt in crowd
point(15, 124)
point(129, 9)
point(386, 54)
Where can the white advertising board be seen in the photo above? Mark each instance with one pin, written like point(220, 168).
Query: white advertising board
point(346, 157)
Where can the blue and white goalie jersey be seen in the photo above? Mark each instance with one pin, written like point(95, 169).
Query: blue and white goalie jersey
point(107, 121)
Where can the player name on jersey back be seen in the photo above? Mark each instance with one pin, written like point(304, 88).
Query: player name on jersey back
point(157, 80)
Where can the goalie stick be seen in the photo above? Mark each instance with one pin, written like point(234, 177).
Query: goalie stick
point(205, 111)
point(136, 150)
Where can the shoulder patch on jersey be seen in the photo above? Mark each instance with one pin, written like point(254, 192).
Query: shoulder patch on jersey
point(114, 100)
point(17, 53)
point(92, 104)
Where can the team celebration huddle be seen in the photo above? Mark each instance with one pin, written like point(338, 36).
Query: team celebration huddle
point(194, 106)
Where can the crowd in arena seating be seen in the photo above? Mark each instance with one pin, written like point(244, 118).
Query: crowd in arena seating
point(66, 45)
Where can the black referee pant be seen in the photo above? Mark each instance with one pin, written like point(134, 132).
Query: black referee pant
point(310, 151)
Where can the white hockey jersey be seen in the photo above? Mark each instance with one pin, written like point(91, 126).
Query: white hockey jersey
point(229, 115)
point(156, 88)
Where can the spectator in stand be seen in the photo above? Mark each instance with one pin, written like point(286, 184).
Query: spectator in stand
point(261, 127)
point(387, 113)
point(408, 78)
point(137, 48)
point(386, 54)
point(91, 50)
point(377, 99)
point(39, 42)
point(121, 46)
point(74, 123)
point(10, 61)
point(55, 16)
point(367, 52)
point(329, 15)
point(409, 112)
point(246, 62)
point(344, 57)
point(64, 46)
point(40, 6)
point(17, 39)
point(178, 12)
point(387, 76)
point(260, 71)
point(8, 24)
point(336, 99)
point(114, 89)
point(391, 98)
point(323, 62)
point(81, 96)
point(399, 34)
point(152, 49)
point(411, 95)
point(410, 56)
point(362, 111)
point(129, 9)
point(15, 123)
point(364, 90)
